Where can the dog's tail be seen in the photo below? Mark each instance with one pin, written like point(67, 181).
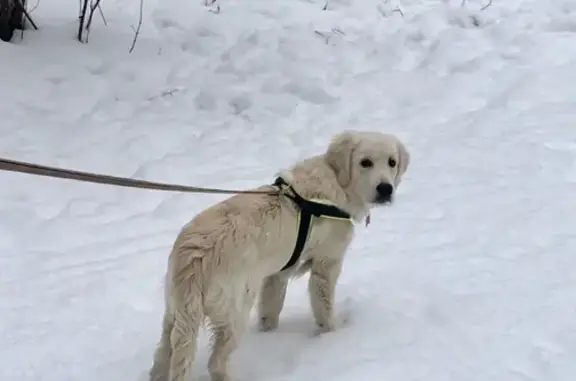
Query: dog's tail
point(163, 353)
point(183, 317)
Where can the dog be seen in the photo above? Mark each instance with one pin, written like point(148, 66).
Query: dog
point(246, 245)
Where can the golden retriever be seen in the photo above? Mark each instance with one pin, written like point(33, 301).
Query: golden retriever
point(246, 243)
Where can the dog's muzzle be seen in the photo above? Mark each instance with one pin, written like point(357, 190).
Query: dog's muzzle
point(384, 192)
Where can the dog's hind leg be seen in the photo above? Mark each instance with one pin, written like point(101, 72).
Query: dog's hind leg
point(272, 296)
point(228, 326)
point(225, 339)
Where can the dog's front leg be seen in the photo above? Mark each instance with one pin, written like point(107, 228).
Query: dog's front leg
point(322, 287)
point(272, 295)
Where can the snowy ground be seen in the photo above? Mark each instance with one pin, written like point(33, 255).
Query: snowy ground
point(471, 276)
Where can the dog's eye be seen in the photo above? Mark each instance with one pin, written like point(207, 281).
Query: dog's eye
point(366, 163)
point(392, 162)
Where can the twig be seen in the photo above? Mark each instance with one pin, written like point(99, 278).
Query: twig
point(209, 3)
point(483, 7)
point(30, 19)
point(486, 6)
point(395, 10)
point(326, 37)
point(399, 11)
point(339, 31)
point(93, 8)
point(102, 15)
point(163, 94)
point(34, 7)
point(26, 14)
point(386, 13)
point(137, 30)
point(84, 7)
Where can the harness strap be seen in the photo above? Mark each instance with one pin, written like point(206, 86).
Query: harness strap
point(304, 222)
point(308, 209)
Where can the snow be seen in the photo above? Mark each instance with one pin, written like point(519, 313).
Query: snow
point(469, 276)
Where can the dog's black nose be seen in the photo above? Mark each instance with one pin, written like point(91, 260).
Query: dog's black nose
point(385, 190)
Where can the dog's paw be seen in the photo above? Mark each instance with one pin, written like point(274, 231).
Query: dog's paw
point(267, 324)
point(219, 377)
point(339, 321)
point(325, 327)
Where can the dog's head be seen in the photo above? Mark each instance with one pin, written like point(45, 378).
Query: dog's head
point(368, 165)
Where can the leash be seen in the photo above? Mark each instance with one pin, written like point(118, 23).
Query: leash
point(307, 208)
point(46, 171)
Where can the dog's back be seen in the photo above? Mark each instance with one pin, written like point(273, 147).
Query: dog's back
point(215, 268)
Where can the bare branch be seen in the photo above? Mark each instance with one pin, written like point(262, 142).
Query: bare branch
point(339, 31)
point(137, 30)
point(102, 15)
point(326, 37)
point(86, 16)
point(82, 17)
point(486, 6)
point(163, 94)
point(385, 13)
point(210, 3)
point(34, 7)
point(399, 11)
point(463, 4)
point(22, 8)
point(93, 7)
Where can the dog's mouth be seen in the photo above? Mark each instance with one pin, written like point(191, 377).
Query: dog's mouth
point(383, 200)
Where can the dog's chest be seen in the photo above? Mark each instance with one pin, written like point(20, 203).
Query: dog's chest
point(283, 248)
point(322, 235)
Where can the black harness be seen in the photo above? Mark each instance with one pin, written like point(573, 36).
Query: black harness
point(307, 209)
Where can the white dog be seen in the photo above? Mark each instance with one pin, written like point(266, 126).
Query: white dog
point(258, 242)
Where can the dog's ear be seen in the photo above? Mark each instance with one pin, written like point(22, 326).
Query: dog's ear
point(339, 156)
point(403, 162)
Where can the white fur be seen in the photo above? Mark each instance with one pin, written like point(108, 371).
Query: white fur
point(235, 249)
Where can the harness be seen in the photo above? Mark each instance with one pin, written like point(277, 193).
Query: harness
point(307, 210)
